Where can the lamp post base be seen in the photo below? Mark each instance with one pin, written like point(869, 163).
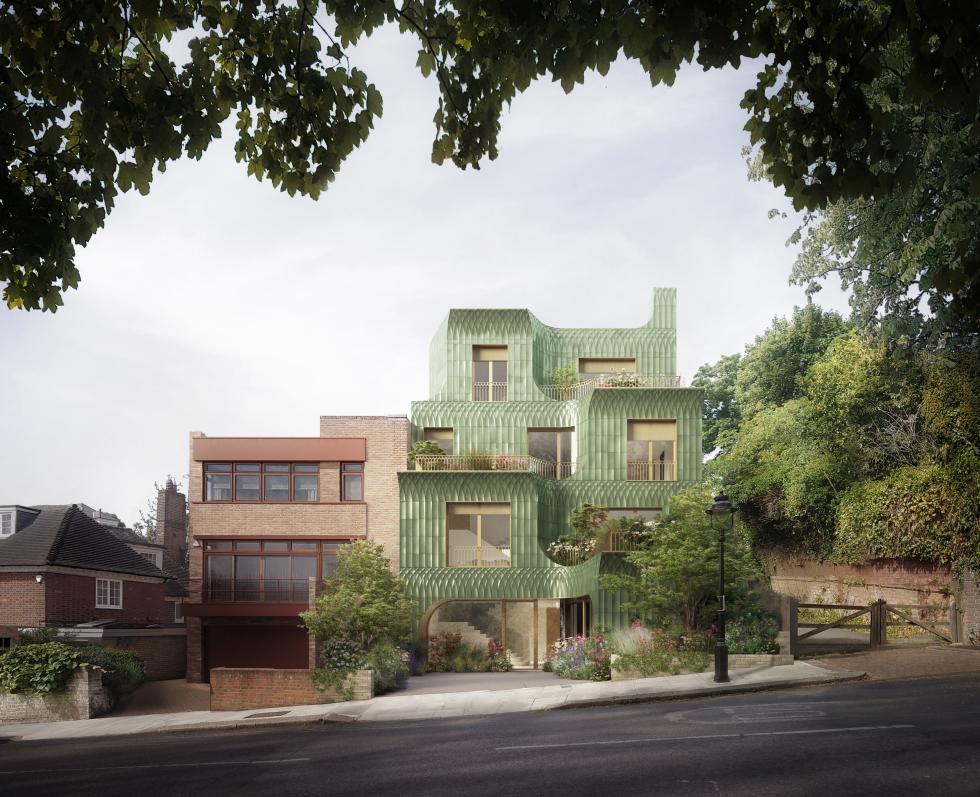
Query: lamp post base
point(721, 663)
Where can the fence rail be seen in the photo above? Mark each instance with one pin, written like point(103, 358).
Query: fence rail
point(477, 556)
point(489, 391)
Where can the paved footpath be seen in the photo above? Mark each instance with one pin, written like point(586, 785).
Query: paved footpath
point(444, 705)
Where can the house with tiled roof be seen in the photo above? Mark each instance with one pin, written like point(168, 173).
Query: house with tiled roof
point(62, 569)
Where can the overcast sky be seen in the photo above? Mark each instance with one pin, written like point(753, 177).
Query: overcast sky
point(218, 304)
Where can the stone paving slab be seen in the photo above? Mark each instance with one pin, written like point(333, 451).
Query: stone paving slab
point(437, 706)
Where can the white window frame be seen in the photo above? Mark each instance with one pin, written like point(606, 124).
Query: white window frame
point(108, 593)
point(7, 517)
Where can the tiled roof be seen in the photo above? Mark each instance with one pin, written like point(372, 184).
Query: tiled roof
point(130, 536)
point(66, 537)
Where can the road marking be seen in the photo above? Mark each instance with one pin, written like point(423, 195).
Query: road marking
point(155, 766)
point(854, 729)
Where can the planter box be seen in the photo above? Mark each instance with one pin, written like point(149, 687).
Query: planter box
point(235, 689)
point(83, 697)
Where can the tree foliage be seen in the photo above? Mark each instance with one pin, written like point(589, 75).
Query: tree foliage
point(364, 603)
point(676, 577)
point(91, 103)
point(721, 412)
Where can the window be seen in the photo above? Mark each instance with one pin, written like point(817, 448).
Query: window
point(478, 535)
point(6, 524)
point(591, 368)
point(266, 571)
point(108, 593)
point(178, 611)
point(650, 451)
point(6, 642)
point(150, 557)
point(554, 448)
point(274, 482)
point(352, 481)
point(441, 437)
point(489, 373)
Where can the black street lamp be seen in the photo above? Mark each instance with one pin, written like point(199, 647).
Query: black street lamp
point(722, 519)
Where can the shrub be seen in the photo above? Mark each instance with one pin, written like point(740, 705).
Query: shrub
point(338, 659)
point(565, 375)
point(580, 542)
point(426, 448)
point(656, 652)
point(390, 665)
point(447, 653)
point(38, 669)
point(123, 671)
point(753, 631)
point(499, 657)
point(38, 636)
point(581, 658)
point(477, 460)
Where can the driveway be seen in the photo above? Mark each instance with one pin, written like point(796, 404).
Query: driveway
point(165, 697)
point(906, 661)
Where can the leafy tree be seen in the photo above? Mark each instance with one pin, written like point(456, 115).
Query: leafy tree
point(364, 603)
point(773, 367)
point(676, 577)
point(91, 103)
point(721, 412)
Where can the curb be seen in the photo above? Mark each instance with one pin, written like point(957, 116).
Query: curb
point(734, 689)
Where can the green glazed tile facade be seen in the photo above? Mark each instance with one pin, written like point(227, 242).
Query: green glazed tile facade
point(540, 507)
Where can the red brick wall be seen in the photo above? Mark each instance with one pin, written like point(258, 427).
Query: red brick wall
point(239, 689)
point(164, 656)
point(21, 599)
point(71, 599)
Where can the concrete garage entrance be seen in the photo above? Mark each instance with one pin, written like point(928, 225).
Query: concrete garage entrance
point(284, 647)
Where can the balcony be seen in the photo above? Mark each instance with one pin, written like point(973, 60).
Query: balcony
point(583, 388)
point(479, 461)
point(478, 556)
point(250, 597)
point(489, 391)
point(647, 471)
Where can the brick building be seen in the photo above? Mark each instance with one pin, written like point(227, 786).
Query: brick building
point(62, 568)
point(267, 517)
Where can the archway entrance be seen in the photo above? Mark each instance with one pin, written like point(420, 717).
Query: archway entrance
point(527, 628)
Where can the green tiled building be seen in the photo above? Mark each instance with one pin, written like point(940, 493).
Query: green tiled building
point(533, 421)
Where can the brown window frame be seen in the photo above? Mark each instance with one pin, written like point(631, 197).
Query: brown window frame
point(343, 481)
point(318, 552)
point(294, 469)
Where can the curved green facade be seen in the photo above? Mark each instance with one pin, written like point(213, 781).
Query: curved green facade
point(540, 507)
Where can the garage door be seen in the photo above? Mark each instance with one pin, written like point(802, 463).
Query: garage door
point(279, 647)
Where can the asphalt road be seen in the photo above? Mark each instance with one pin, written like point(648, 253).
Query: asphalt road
point(917, 737)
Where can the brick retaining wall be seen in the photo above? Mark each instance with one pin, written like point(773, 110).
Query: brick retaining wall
point(235, 689)
point(968, 601)
point(84, 697)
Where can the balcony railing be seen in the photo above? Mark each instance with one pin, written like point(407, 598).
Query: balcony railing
point(489, 391)
point(253, 590)
point(475, 556)
point(646, 471)
point(583, 388)
point(486, 461)
point(623, 541)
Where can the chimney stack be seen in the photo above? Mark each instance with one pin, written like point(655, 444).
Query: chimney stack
point(170, 529)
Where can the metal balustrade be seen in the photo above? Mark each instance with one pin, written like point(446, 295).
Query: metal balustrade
point(489, 391)
point(479, 461)
point(252, 590)
point(476, 556)
point(647, 471)
point(583, 388)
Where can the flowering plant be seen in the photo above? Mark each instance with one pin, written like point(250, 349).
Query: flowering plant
point(621, 379)
point(498, 656)
point(507, 462)
point(581, 658)
point(653, 651)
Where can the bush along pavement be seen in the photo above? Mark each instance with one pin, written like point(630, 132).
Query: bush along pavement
point(648, 652)
point(41, 667)
point(364, 618)
point(581, 658)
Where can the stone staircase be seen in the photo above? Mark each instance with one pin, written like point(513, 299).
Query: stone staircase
point(471, 635)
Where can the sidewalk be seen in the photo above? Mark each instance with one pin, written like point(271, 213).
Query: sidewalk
point(895, 661)
point(422, 706)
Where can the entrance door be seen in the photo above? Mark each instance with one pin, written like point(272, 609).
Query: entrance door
point(280, 647)
point(576, 617)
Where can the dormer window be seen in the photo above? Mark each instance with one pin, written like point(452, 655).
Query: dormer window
point(6, 524)
point(489, 373)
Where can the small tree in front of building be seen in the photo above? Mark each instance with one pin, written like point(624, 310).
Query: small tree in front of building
point(675, 578)
point(364, 619)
